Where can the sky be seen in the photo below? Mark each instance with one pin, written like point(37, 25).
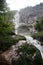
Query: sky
point(19, 4)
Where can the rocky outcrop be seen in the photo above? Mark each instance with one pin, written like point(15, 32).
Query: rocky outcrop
point(21, 54)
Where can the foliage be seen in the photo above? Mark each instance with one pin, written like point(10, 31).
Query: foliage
point(39, 37)
point(6, 26)
point(6, 18)
point(38, 34)
point(39, 24)
point(3, 6)
point(39, 27)
point(7, 41)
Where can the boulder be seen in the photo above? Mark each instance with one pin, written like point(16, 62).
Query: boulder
point(23, 54)
point(7, 56)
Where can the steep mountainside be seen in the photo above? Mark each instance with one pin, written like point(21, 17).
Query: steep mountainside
point(27, 17)
point(30, 14)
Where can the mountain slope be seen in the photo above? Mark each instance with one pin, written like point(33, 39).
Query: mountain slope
point(31, 13)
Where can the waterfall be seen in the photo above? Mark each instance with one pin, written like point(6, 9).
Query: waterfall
point(32, 41)
point(16, 22)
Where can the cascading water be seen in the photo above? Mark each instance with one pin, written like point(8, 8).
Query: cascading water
point(16, 22)
point(36, 43)
point(28, 38)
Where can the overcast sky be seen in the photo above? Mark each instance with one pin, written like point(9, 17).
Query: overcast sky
point(19, 4)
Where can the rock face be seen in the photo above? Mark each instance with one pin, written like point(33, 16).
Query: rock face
point(29, 15)
point(27, 18)
point(23, 54)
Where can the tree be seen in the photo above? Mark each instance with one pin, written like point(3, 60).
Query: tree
point(6, 25)
point(6, 18)
point(3, 6)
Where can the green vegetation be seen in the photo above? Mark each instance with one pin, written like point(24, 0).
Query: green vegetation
point(7, 41)
point(39, 24)
point(3, 6)
point(39, 27)
point(7, 27)
point(39, 34)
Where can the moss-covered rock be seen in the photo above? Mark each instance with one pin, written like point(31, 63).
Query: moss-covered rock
point(29, 55)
